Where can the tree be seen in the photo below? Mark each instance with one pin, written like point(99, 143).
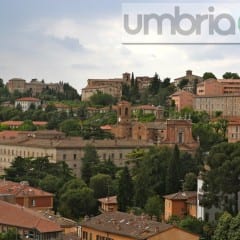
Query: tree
point(125, 190)
point(10, 234)
point(149, 174)
point(89, 162)
point(101, 185)
point(102, 99)
point(28, 126)
point(222, 180)
point(183, 83)
point(154, 206)
point(71, 127)
point(234, 229)
point(230, 75)
point(154, 84)
point(76, 203)
point(192, 224)
point(173, 175)
point(190, 182)
point(208, 75)
point(222, 230)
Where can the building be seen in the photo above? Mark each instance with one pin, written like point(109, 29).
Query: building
point(28, 223)
point(34, 87)
point(115, 91)
point(57, 147)
point(192, 81)
point(158, 111)
point(212, 213)
point(26, 195)
point(233, 130)
point(215, 87)
point(166, 132)
point(180, 204)
point(113, 86)
point(26, 102)
point(227, 105)
point(108, 204)
point(67, 225)
point(210, 87)
point(182, 99)
point(119, 226)
point(16, 124)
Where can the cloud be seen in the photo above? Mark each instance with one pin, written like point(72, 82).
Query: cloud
point(69, 43)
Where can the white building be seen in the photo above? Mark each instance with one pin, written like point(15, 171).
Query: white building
point(211, 214)
point(26, 102)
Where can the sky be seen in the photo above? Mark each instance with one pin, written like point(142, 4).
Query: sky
point(74, 40)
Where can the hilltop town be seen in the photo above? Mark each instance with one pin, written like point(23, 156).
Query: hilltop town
point(138, 157)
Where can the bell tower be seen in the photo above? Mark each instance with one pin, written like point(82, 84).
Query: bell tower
point(124, 126)
point(124, 112)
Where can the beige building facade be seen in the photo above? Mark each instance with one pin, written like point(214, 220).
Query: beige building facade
point(113, 86)
point(228, 105)
point(34, 86)
point(57, 148)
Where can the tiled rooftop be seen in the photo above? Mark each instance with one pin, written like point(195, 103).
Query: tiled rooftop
point(181, 195)
point(20, 189)
point(15, 215)
point(138, 227)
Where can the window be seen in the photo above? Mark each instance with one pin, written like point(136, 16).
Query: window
point(112, 156)
point(85, 235)
point(120, 155)
point(104, 156)
point(74, 156)
point(180, 137)
point(33, 203)
point(64, 156)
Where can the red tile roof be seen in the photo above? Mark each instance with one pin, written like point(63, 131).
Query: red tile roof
point(9, 134)
point(181, 195)
point(129, 225)
point(28, 99)
point(21, 189)
point(106, 127)
point(17, 216)
point(19, 123)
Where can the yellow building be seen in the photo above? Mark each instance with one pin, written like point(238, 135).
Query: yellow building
point(124, 226)
point(180, 204)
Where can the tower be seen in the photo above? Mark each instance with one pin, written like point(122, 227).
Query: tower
point(124, 120)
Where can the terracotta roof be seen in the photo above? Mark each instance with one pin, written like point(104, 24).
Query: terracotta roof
point(17, 216)
point(137, 227)
point(19, 123)
point(111, 200)
point(106, 127)
point(48, 139)
point(63, 222)
point(12, 123)
point(181, 92)
point(9, 134)
point(181, 195)
point(21, 189)
point(28, 99)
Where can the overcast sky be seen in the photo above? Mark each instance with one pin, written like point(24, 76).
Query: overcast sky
point(73, 40)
